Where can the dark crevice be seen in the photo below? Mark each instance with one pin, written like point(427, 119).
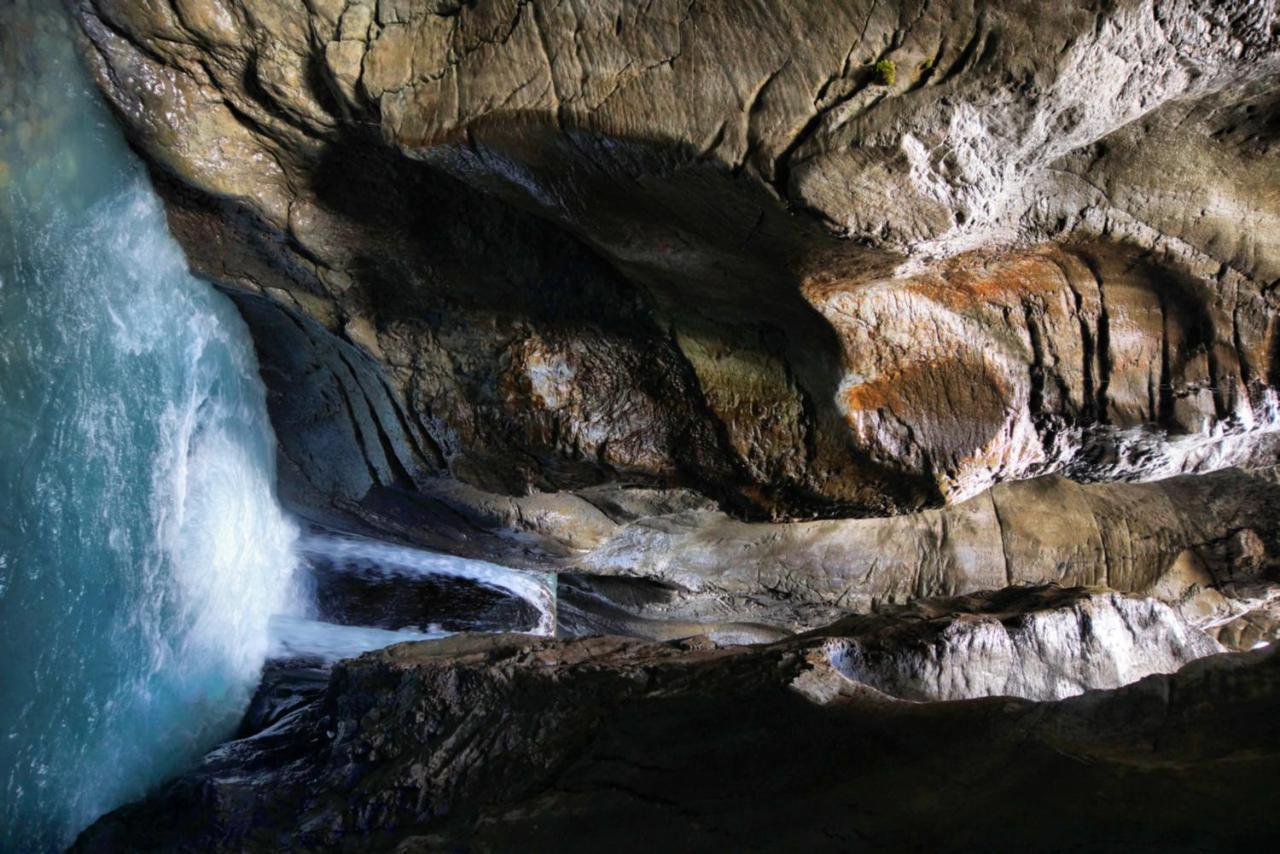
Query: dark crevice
point(433, 455)
point(1103, 340)
point(1166, 402)
point(1273, 352)
point(1242, 355)
point(968, 53)
point(400, 474)
point(1086, 342)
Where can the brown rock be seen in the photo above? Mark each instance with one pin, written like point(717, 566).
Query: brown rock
point(1059, 218)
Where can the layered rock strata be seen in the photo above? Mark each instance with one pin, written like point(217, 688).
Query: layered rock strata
point(550, 245)
point(479, 741)
point(1171, 539)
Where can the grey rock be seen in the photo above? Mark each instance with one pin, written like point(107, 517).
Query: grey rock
point(1102, 641)
point(578, 744)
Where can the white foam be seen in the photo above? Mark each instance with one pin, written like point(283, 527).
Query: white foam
point(297, 637)
point(223, 557)
point(141, 546)
point(388, 559)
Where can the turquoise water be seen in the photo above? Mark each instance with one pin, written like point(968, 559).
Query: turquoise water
point(142, 551)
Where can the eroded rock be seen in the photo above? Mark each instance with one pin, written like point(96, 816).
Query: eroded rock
point(485, 740)
point(687, 244)
point(999, 646)
point(1163, 539)
point(603, 286)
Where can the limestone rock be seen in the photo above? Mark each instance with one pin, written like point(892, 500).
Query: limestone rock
point(1104, 641)
point(602, 741)
point(1160, 539)
point(861, 392)
point(1254, 629)
point(705, 246)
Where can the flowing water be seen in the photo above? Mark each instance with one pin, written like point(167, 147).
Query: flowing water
point(142, 551)
point(146, 570)
point(356, 580)
point(367, 594)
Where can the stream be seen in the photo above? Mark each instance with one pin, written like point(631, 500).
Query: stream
point(147, 571)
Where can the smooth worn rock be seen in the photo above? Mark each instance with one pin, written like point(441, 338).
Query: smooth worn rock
point(716, 246)
point(605, 742)
point(998, 646)
point(1255, 629)
point(1165, 539)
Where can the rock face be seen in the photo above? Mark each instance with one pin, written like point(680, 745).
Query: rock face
point(1166, 539)
point(603, 741)
point(1000, 646)
point(840, 329)
point(552, 245)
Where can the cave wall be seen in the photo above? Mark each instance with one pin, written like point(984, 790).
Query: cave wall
point(711, 245)
point(798, 324)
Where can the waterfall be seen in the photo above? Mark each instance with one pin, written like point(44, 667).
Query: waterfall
point(142, 551)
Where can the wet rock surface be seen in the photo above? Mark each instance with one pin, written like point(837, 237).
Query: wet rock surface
point(478, 741)
point(386, 599)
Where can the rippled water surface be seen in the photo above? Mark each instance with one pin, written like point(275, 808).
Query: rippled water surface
point(142, 552)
